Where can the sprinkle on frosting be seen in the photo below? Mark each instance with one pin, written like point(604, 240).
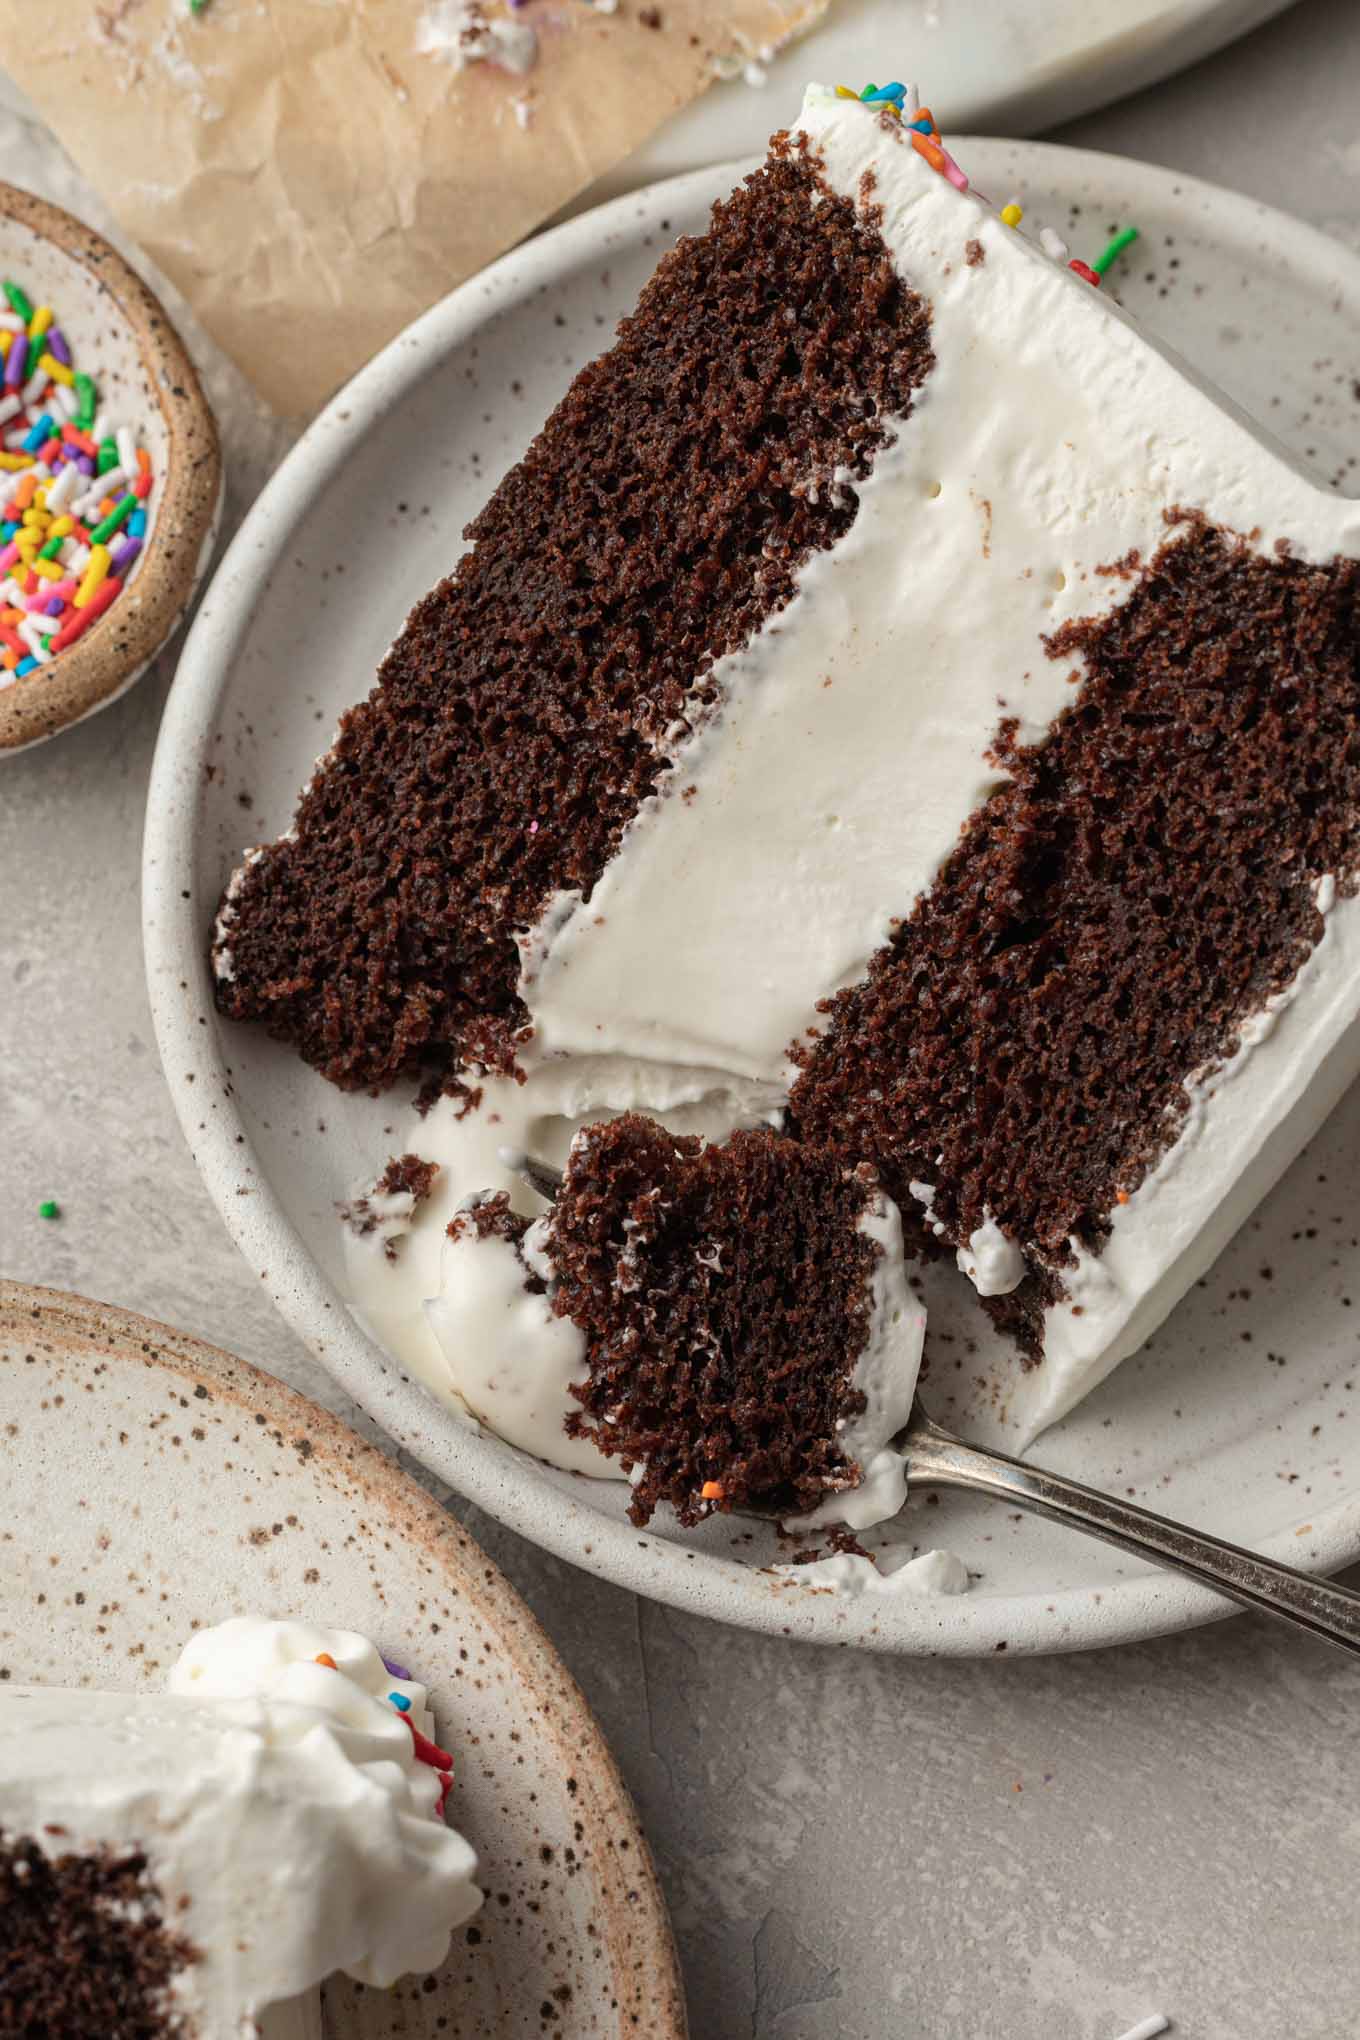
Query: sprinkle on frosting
point(902, 103)
point(1110, 254)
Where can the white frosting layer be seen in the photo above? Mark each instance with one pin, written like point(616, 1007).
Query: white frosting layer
point(511, 1361)
point(934, 1572)
point(993, 1263)
point(289, 1828)
point(885, 1374)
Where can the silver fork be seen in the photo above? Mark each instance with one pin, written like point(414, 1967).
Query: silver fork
point(937, 1459)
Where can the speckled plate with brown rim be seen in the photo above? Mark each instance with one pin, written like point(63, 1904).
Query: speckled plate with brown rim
point(152, 1482)
point(121, 334)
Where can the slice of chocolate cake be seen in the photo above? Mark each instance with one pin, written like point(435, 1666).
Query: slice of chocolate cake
point(745, 1333)
point(894, 699)
point(537, 698)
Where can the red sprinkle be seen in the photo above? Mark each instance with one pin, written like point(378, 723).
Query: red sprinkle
point(83, 618)
point(1085, 269)
point(426, 1751)
point(73, 436)
point(141, 488)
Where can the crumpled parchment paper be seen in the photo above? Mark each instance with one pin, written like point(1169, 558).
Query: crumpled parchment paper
point(314, 173)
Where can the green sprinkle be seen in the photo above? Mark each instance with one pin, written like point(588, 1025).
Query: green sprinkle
point(119, 514)
point(197, 6)
point(51, 549)
point(20, 302)
point(88, 401)
point(108, 456)
point(1111, 255)
point(49, 1208)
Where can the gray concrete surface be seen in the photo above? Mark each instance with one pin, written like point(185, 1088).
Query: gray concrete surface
point(853, 1849)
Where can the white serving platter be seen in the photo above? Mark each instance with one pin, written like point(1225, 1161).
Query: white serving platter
point(1240, 1416)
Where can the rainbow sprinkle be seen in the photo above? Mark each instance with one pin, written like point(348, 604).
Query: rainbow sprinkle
point(902, 103)
point(75, 493)
point(1111, 254)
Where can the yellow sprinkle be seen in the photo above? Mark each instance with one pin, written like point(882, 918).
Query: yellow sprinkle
point(62, 527)
point(58, 370)
point(1011, 215)
point(37, 520)
point(93, 575)
point(14, 461)
point(5, 337)
point(49, 569)
point(844, 92)
point(40, 322)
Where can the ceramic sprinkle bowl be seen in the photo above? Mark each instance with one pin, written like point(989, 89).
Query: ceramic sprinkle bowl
point(118, 335)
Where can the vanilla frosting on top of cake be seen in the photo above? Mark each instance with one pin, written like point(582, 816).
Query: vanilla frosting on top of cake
point(290, 1828)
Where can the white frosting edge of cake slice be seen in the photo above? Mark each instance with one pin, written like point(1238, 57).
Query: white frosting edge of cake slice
point(1248, 1119)
point(885, 1375)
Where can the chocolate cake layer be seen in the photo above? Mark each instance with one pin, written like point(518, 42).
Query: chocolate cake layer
point(658, 520)
point(1144, 881)
point(724, 1293)
point(83, 1948)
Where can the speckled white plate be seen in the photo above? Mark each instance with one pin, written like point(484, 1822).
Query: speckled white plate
point(1240, 1416)
point(153, 1483)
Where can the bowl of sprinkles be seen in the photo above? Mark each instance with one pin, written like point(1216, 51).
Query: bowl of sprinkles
point(110, 473)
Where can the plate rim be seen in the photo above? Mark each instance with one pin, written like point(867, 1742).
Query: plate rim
point(188, 1029)
point(645, 1968)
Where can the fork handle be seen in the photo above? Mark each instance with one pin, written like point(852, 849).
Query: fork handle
point(1324, 1609)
